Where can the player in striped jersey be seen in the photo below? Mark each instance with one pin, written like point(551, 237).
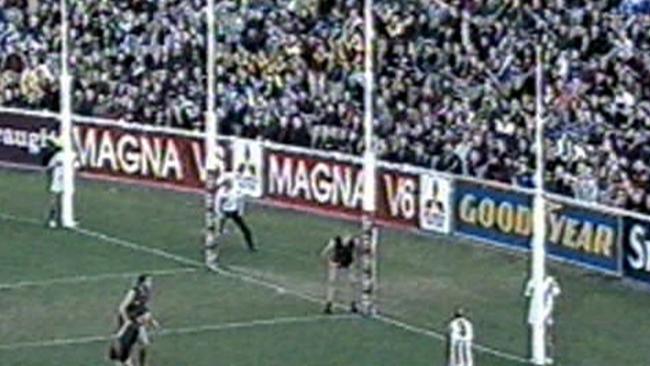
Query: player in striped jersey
point(128, 336)
point(459, 340)
point(340, 253)
point(133, 306)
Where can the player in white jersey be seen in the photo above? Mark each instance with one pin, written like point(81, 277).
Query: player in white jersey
point(229, 205)
point(551, 289)
point(460, 340)
point(54, 168)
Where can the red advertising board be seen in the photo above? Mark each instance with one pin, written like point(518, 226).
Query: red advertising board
point(147, 156)
point(337, 186)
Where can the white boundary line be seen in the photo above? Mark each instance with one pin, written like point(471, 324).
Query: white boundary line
point(231, 271)
point(23, 220)
point(21, 167)
point(137, 247)
point(91, 278)
point(180, 331)
point(240, 274)
point(433, 334)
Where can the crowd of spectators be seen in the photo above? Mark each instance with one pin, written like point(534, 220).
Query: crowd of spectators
point(139, 60)
point(136, 60)
point(455, 79)
point(29, 53)
point(292, 72)
point(457, 92)
point(598, 97)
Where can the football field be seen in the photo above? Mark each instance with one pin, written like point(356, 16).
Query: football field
point(59, 290)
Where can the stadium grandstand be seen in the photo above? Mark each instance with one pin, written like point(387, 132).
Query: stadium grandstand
point(455, 144)
point(455, 82)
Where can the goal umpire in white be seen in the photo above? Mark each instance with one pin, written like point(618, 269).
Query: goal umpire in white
point(230, 206)
point(54, 168)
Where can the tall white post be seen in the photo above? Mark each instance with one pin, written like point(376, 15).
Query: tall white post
point(210, 240)
point(370, 166)
point(538, 265)
point(67, 204)
point(370, 235)
point(211, 118)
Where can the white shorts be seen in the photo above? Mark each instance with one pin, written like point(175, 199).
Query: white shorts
point(56, 188)
point(337, 273)
point(460, 353)
point(143, 336)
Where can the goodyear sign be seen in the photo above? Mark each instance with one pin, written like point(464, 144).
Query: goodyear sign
point(584, 236)
point(636, 249)
point(492, 214)
point(573, 233)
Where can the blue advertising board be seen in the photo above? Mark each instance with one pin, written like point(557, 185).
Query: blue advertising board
point(491, 214)
point(583, 236)
point(580, 235)
point(636, 249)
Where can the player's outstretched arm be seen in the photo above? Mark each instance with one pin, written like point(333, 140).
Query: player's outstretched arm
point(154, 323)
point(327, 249)
point(128, 298)
point(528, 290)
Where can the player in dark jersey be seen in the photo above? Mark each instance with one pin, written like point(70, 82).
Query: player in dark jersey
point(133, 306)
point(128, 336)
point(341, 262)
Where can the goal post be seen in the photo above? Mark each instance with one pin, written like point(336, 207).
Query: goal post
point(538, 244)
point(67, 198)
point(211, 131)
point(369, 229)
point(370, 236)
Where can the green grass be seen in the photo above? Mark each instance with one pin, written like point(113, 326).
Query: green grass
point(422, 279)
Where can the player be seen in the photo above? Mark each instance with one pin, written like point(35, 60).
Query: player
point(230, 206)
point(460, 339)
point(128, 336)
point(340, 253)
point(54, 169)
point(133, 306)
point(551, 289)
